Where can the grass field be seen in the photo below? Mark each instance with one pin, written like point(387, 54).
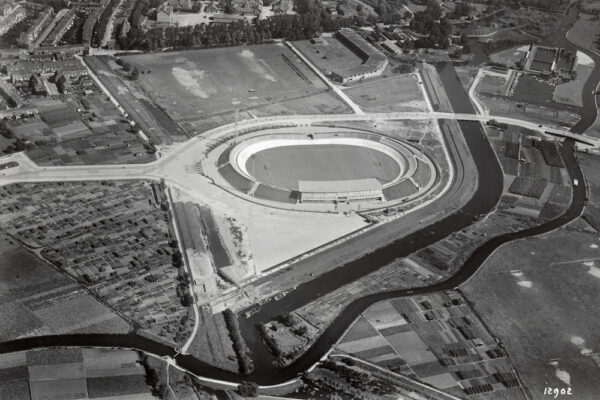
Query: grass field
point(435, 89)
point(73, 373)
point(549, 326)
point(399, 93)
point(571, 93)
point(35, 299)
point(584, 32)
point(510, 58)
point(284, 166)
point(331, 55)
point(534, 90)
point(212, 343)
point(215, 86)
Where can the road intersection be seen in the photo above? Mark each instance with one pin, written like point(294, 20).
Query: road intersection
point(27, 171)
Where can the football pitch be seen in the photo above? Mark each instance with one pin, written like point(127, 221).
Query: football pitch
point(196, 86)
point(284, 166)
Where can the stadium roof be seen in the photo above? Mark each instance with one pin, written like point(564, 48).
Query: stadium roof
point(351, 185)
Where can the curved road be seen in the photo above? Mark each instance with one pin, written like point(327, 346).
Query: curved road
point(482, 202)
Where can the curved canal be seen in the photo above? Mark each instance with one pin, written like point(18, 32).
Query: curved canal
point(483, 201)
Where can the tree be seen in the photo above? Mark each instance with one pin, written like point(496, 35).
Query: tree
point(248, 389)
point(135, 74)
point(288, 319)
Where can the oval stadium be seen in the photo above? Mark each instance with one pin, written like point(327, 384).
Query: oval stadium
point(315, 170)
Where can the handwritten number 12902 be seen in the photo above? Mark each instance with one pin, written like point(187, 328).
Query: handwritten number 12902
point(555, 392)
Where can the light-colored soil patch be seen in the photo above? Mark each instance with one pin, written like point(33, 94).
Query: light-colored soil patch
point(192, 81)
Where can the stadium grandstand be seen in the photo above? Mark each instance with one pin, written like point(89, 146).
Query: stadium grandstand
point(416, 174)
point(374, 62)
point(340, 191)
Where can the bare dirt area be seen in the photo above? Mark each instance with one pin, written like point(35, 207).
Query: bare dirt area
point(398, 93)
point(206, 88)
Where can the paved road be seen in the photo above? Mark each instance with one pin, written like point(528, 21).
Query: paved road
point(29, 172)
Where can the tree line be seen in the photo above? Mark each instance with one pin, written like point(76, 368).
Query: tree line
point(300, 26)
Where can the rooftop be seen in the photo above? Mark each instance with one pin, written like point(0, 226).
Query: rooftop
point(351, 185)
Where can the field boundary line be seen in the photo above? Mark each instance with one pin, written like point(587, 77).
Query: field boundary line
point(333, 86)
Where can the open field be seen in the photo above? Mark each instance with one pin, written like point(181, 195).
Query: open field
point(330, 55)
point(133, 103)
point(502, 106)
point(571, 93)
point(510, 58)
point(432, 338)
point(585, 31)
point(36, 299)
point(212, 343)
point(533, 89)
point(201, 89)
point(114, 238)
point(549, 327)
point(73, 374)
point(284, 166)
point(397, 93)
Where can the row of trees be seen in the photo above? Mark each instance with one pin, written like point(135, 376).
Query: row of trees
point(239, 344)
point(102, 23)
point(290, 27)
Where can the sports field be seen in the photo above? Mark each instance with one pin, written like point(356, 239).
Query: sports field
point(329, 55)
point(215, 86)
point(284, 166)
point(399, 93)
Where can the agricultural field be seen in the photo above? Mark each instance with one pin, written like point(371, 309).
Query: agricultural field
point(73, 374)
point(540, 276)
point(205, 88)
point(38, 300)
point(397, 93)
point(341, 377)
point(112, 237)
point(532, 89)
point(527, 96)
point(437, 339)
point(212, 343)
